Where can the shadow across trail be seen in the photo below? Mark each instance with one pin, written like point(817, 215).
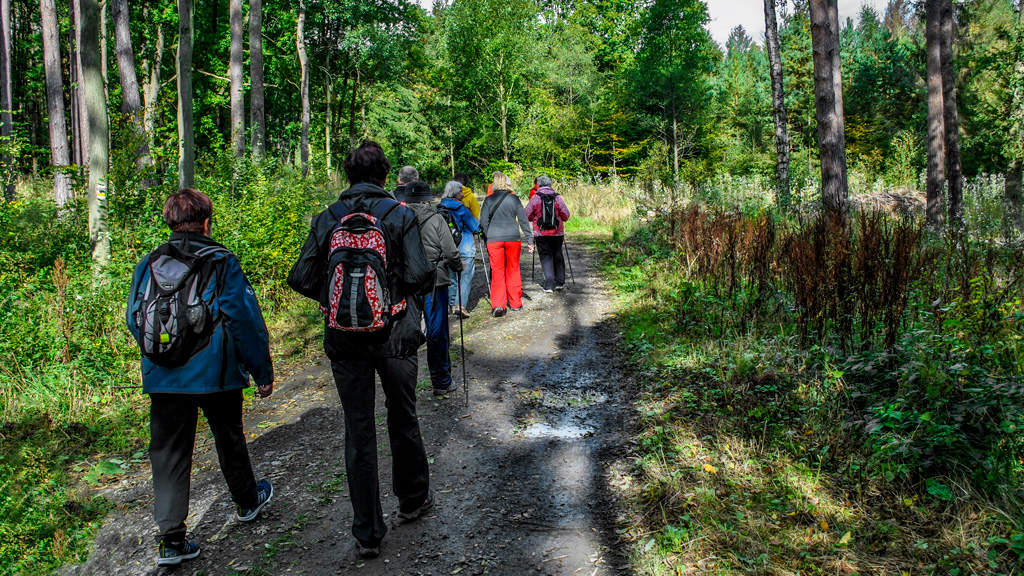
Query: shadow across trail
point(523, 476)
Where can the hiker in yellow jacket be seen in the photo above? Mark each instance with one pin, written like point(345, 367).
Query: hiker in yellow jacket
point(467, 195)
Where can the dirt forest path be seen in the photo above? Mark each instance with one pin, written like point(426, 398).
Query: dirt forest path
point(523, 477)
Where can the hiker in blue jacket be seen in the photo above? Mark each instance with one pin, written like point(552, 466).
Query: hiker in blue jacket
point(211, 379)
point(452, 200)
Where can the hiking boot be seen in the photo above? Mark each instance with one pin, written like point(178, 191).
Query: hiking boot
point(463, 312)
point(264, 492)
point(427, 505)
point(444, 391)
point(498, 312)
point(559, 288)
point(174, 553)
point(548, 290)
point(367, 552)
point(520, 309)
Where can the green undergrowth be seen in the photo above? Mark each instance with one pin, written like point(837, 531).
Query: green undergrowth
point(773, 442)
point(73, 419)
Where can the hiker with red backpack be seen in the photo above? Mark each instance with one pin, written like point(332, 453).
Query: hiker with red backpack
point(548, 212)
point(201, 333)
point(502, 219)
point(440, 249)
point(363, 262)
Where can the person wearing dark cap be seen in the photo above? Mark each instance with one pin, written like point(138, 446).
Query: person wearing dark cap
point(440, 248)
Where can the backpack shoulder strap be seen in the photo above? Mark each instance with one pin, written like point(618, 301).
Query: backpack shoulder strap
point(498, 205)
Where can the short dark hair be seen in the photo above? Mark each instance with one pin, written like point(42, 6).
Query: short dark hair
point(367, 163)
point(187, 210)
point(461, 177)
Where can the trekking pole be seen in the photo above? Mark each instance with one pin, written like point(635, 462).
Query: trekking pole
point(487, 268)
point(568, 261)
point(533, 265)
point(462, 342)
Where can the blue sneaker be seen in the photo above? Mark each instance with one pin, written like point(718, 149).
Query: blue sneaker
point(264, 492)
point(174, 553)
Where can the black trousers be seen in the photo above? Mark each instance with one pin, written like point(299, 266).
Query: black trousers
point(410, 472)
point(552, 260)
point(172, 424)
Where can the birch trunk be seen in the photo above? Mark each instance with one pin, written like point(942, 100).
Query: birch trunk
point(237, 75)
point(79, 92)
point(186, 135)
point(60, 157)
point(256, 92)
point(6, 100)
point(831, 138)
point(300, 46)
point(778, 104)
point(96, 111)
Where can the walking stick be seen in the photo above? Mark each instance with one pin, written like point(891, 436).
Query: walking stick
point(568, 261)
point(487, 268)
point(533, 265)
point(462, 342)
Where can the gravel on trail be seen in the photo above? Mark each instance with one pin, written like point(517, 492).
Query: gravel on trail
point(524, 477)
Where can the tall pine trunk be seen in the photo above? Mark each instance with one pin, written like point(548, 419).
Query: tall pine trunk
point(186, 134)
point(6, 100)
point(237, 75)
point(936, 172)
point(96, 111)
point(60, 156)
point(829, 105)
point(131, 103)
point(954, 173)
point(774, 50)
point(256, 92)
point(300, 46)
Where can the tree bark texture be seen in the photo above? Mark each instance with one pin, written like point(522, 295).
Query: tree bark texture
point(256, 92)
point(96, 111)
point(778, 104)
point(936, 171)
point(82, 126)
point(186, 133)
point(6, 99)
point(60, 156)
point(131, 103)
point(237, 74)
point(1014, 192)
point(954, 173)
point(151, 91)
point(300, 46)
point(831, 137)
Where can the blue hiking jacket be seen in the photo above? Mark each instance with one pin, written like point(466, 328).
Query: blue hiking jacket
point(467, 224)
point(239, 345)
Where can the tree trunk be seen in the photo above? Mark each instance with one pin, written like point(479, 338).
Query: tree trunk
point(186, 135)
point(778, 104)
point(256, 93)
point(131, 104)
point(831, 138)
point(327, 126)
point(76, 144)
point(96, 111)
point(6, 100)
point(1014, 196)
point(300, 47)
point(237, 75)
point(936, 125)
point(60, 157)
point(79, 91)
point(151, 91)
point(352, 113)
point(951, 119)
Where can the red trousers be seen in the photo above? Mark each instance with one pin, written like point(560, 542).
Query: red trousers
point(506, 282)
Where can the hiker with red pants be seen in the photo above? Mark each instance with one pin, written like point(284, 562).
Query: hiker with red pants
point(547, 211)
point(501, 219)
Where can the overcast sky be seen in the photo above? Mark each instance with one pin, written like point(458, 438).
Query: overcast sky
point(727, 14)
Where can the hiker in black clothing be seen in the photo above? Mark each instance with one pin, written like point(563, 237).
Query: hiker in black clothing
point(207, 376)
point(547, 211)
point(390, 352)
point(406, 175)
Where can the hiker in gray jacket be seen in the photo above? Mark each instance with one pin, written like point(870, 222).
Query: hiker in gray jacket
point(440, 248)
point(501, 219)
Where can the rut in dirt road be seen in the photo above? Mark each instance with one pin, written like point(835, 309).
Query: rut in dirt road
point(523, 477)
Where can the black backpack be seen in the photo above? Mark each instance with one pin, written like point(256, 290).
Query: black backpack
point(453, 225)
point(174, 321)
point(548, 214)
point(357, 298)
